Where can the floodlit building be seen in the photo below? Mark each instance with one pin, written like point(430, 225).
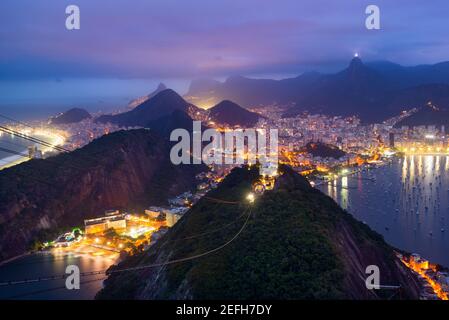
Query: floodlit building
point(173, 215)
point(112, 212)
point(391, 139)
point(110, 220)
point(34, 152)
point(154, 212)
point(419, 262)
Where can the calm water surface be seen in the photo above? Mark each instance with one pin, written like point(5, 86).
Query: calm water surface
point(16, 144)
point(46, 264)
point(406, 201)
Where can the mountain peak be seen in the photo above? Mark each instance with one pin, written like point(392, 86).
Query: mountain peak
point(226, 104)
point(138, 101)
point(228, 112)
point(162, 104)
point(161, 87)
point(168, 97)
point(359, 72)
point(356, 62)
point(73, 115)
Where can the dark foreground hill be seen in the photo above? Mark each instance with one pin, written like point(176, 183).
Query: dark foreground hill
point(73, 115)
point(167, 124)
point(296, 244)
point(125, 169)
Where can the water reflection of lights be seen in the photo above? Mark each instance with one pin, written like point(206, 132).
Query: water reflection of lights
point(412, 167)
point(428, 163)
point(412, 207)
point(404, 169)
point(420, 166)
point(344, 192)
point(330, 189)
point(250, 197)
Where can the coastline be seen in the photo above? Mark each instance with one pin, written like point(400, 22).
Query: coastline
point(385, 232)
point(39, 264)
point(12, 161)
point(2, 263)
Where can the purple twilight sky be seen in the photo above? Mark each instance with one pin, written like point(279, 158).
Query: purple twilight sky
point(127, 46)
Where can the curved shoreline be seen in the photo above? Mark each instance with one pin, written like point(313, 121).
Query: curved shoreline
point(16, 257)
point(13, 160)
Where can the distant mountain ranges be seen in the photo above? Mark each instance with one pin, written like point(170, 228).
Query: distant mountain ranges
point(167, 102)
point(373, 91)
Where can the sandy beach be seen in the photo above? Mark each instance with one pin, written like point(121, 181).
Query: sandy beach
point(13, 160)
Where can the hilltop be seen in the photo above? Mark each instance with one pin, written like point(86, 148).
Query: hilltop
point(162, 104)
point(138, 101)
point(231, 114)
point(297, 243)
point(73, 115)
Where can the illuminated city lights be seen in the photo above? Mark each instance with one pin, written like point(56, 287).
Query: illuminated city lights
point(251, 197)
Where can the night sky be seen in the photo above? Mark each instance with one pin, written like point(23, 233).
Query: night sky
point(125, 47)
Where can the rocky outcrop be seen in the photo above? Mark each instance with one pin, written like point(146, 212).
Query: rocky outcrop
point(138, 101)
point(122, 170)
point(296, 244)
point(73, 115)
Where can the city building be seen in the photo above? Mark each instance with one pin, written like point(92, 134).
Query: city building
point(154, 212)
point(34, 152)
point(391, 139)
point(173, 215)
point(112, 219)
